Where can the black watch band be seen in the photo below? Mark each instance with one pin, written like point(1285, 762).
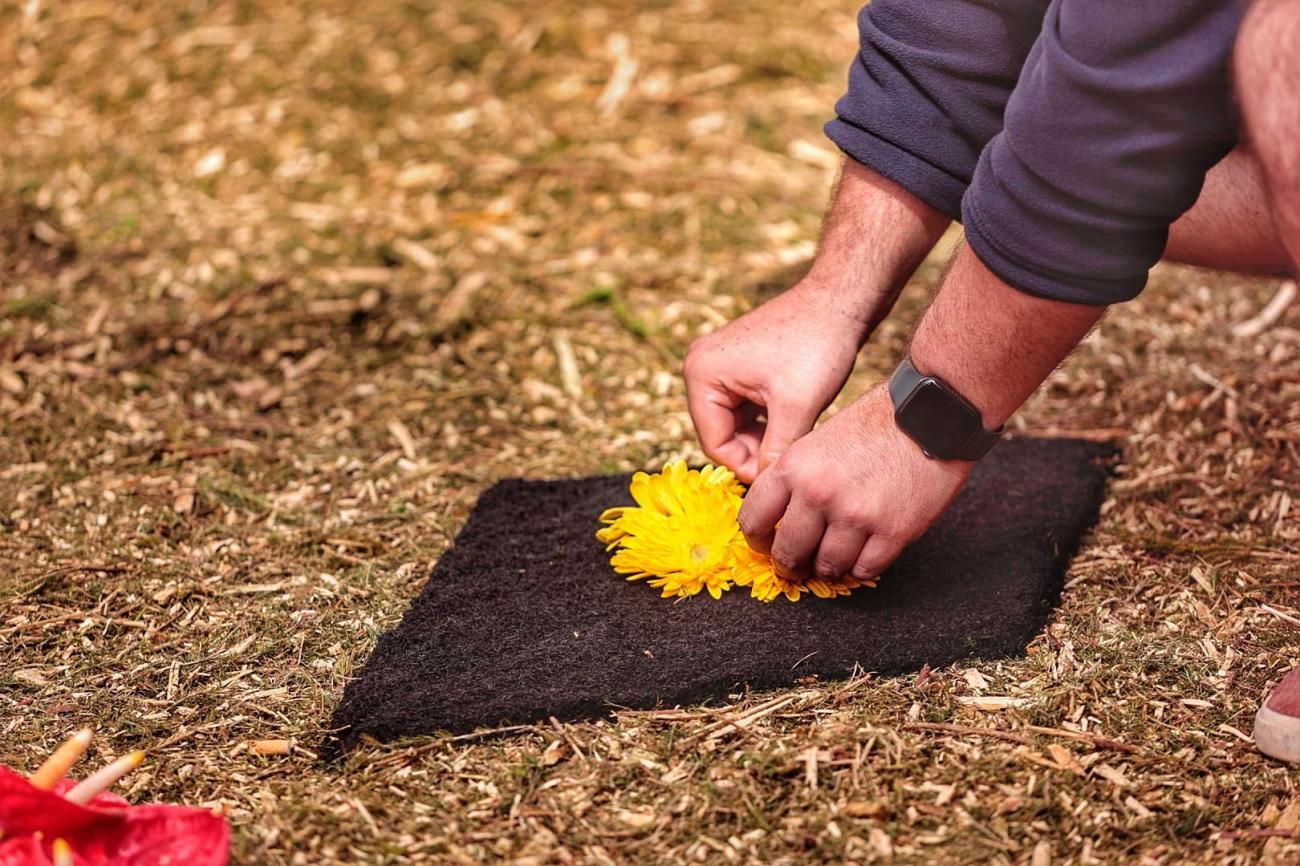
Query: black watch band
point(938, 418)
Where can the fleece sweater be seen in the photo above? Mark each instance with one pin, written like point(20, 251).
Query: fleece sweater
point(1067, 136)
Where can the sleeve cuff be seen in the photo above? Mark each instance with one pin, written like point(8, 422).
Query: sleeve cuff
point(928, 182)
point(1015, 268)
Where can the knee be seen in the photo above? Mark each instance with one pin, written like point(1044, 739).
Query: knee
point(1266, 57)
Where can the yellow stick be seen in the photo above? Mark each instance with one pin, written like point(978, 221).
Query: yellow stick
point(97, 783)
point(62, 853)
point(56, 766)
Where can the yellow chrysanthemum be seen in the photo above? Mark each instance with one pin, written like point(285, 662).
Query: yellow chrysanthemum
point(680, 532)
point(756, 571)
point(683, 537)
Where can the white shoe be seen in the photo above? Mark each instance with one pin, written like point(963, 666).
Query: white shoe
point(1277, 724)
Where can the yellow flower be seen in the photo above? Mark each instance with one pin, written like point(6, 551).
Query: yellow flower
point(682, 537)
point(756, 571)
point(680, 532)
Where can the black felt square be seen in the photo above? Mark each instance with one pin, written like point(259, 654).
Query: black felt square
point(524, 619)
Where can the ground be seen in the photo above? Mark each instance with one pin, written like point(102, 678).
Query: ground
point(287, 284)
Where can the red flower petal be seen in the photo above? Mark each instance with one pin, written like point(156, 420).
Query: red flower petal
point(107, 832)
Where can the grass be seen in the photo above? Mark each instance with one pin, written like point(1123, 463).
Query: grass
point(239, 243)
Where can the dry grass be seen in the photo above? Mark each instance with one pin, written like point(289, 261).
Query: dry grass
point(286, 284)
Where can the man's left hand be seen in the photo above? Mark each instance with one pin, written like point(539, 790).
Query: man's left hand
point(849, 496)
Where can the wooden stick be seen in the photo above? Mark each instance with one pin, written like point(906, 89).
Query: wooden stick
point(573, 743)
point(1098, 741)
point(739, 721)
point(56, 766)
point(1267, 317)
point(92, 786)
point(491, 732)
point(967, 730)
point(727, 714)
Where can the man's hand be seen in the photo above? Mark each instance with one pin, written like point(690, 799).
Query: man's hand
point(760, 382)
point(848, 497)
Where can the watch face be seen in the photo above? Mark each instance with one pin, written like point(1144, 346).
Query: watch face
point(936, 419)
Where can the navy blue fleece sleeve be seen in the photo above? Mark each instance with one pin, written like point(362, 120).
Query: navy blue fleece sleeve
point(928, 89)
point(1120, 110)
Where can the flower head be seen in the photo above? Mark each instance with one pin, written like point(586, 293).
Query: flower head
point(757, 571)
point(680, 533)
point(682, 538)
point(107, 831)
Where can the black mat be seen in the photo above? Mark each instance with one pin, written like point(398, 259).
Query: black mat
point(524, 619)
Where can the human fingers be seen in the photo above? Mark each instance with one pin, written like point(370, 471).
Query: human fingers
point(714, 411)
point(877, 554)
point(839, 549)
point(749, 433)
point(798, 535)
point(787, 422)
point(764, 505)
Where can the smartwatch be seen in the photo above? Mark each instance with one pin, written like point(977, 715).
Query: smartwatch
point(939, 419)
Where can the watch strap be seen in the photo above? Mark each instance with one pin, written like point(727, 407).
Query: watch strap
point(906, 379)
point(903, 382)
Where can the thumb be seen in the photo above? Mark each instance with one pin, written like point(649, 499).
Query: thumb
point(787, 423)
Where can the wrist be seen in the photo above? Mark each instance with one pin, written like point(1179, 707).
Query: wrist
point(873, 416)
point(855, 309)
point(992, 342)
point(937, 417)
point(875, 235)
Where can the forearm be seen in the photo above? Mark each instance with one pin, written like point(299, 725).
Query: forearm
point(994, 343)
point(875, 236)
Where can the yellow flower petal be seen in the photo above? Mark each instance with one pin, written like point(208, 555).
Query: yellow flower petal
point(682, 538)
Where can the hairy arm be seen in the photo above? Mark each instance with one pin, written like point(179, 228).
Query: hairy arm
point(848, 497)
point(994, 343)
point(875, 235)
point(1104, 141)
point(760, 383)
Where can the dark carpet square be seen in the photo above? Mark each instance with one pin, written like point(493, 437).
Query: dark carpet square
point(524, 619)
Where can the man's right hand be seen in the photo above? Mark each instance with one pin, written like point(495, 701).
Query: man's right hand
point(759, 383)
